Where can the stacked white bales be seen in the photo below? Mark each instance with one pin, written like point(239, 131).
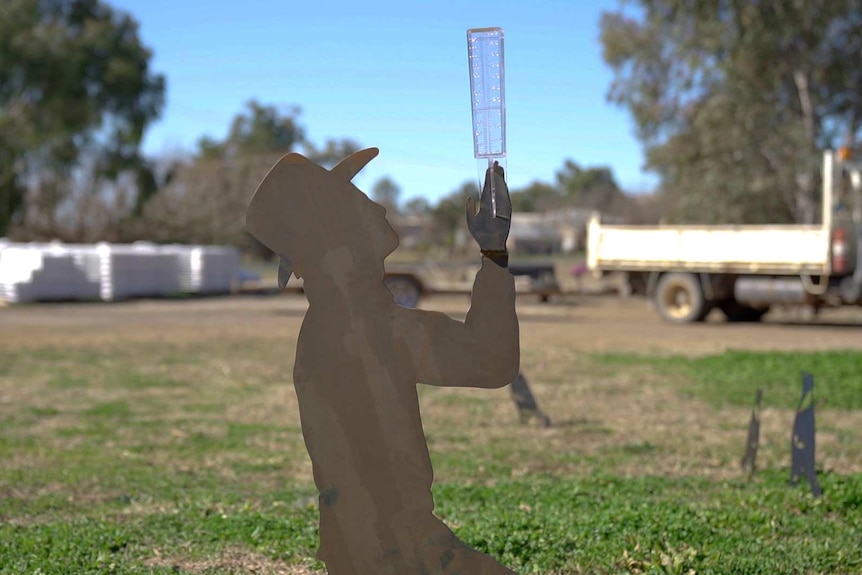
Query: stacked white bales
point(48, 272)
point(137, 270)
point(111, 272)
point(206, 269)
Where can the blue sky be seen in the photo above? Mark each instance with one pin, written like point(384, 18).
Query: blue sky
point(394, 75)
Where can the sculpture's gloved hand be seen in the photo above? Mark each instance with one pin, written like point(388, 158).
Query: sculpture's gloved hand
point(491, 231)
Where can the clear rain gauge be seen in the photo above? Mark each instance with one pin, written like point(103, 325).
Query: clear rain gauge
point(488, 101)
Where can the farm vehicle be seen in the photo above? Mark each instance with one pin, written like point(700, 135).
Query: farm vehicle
point(411, 282)
point(743, 270)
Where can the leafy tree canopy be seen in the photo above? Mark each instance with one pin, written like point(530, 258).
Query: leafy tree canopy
point(75, 81)
point(386, 193)
point(735, 100)
point(575, 186)
point(206, 201)
point(260, 129)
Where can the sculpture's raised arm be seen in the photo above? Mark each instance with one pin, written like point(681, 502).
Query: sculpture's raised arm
point(484, 350)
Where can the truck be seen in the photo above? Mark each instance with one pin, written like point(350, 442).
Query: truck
point(686, 271)
point(408, 283)
point(411, 282)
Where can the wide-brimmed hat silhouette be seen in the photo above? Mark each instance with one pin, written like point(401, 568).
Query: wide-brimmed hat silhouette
point(301, 210)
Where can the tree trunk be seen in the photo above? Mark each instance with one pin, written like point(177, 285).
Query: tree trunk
point(805, 207)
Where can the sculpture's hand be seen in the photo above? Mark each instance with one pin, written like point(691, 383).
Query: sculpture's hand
point(491, 231)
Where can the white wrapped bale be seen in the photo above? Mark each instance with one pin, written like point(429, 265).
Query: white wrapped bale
point(137, 270)
point(214, 269)
point(48, 272)
point(17, 265)
point(111, 272)
point(206, 269)
point(59, 278)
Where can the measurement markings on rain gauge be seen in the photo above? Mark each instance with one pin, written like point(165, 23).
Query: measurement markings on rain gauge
point(487, 100)
point(485, 51)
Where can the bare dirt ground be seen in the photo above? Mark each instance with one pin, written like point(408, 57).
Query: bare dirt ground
point(624, 421)
point(586, 324)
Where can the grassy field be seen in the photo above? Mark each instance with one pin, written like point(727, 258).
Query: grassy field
point(179, 451)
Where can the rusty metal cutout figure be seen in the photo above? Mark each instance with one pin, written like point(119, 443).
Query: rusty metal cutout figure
point(802, 441)
point(749, 460)
point(359, 356)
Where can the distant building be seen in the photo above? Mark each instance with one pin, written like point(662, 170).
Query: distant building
point(413, 230)
point(552, 232)
point(558, 231)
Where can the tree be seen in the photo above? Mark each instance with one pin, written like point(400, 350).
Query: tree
point(332, 152)
point(575, 186)
point(75, 84)
point(594, 188)
point(206, 200)
point(386, 193)
point(259, 130)
point(535, 197)
point(417, 206)
point(642, 208)
point(449, 213)
point(734, 100)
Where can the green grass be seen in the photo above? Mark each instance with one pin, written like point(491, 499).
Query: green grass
point(732, 378)
point(109, 542)
point(537, 525)
point(187, 458)
point(591, 525)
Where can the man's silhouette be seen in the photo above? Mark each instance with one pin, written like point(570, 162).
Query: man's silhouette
point(749, 459)
point(802, 442)
point(359, 357)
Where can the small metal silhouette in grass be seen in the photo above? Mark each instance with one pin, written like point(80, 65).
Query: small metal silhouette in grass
point(526, 403)
point(802, 440)
point(749, 460)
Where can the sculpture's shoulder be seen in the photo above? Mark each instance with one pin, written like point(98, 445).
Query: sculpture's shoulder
point(408, 322)
point(418, 329)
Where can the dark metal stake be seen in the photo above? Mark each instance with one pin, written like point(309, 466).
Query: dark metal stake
point(802, 441)
point(749, 460)
point(526, 402)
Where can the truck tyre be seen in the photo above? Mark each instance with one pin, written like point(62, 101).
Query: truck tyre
point(679, 298)
point(737, 312)
point(545, 285)
point(404, 289)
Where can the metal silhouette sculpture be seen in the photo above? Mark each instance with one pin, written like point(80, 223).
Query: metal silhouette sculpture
point(359, 357)
point(526, 403)
point(749, 460)
point(802, 440)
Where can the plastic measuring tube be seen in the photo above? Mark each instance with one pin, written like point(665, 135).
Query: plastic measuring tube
point(487, 100)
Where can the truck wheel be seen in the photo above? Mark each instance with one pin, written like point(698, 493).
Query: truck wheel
point(405, 290)
point(679, 298)
point(737, 312)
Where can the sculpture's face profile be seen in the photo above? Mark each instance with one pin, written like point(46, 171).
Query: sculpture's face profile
point(302, 212)
point(383, 238)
